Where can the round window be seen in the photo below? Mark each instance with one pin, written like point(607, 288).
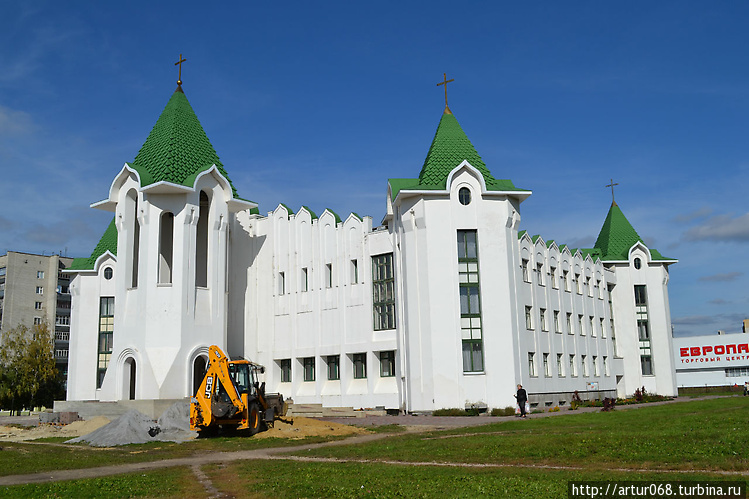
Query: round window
point(108, 273)
point(638, 263)
point(464, 195)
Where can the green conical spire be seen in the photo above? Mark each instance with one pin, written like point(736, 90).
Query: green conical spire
point(177, 149)
point(617, 236)
point(449, 148)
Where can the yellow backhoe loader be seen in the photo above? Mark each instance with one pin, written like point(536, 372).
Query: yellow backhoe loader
point(231, 397)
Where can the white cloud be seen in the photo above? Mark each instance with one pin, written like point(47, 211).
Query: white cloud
point(721, 228)
point(14, 122)
point(695, 215)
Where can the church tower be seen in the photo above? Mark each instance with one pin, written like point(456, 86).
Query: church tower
point(455, 237)
point(160, 273)
point(641, 317)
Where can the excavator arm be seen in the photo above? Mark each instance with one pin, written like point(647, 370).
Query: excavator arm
point(217, 396)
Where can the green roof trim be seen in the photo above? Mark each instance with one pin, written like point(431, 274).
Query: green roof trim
point(522, 233)
point(311, 213)
point(357, 216)
point(335, 215)
point(617, 236)
point(177, 150)
point(108, 242)
point(255, 211)
point(535, 238)
point(288, 210)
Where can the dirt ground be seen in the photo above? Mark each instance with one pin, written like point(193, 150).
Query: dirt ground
point(308, 427)
point(301, 428)
point(76, 429)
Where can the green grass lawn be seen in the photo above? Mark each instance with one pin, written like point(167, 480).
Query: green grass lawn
point(648, 443)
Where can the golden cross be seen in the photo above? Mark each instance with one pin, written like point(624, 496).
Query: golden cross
point(612, 184)
point(444, 82)
point(179, 63)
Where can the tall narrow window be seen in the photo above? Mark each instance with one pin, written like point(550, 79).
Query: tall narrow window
point(360, 365)
point(334, 367)
point(528, 317)
point(560, 366)
point(470, 301)
point(584, 361)
point(354, 271)
point(201, 246)
point(305, 279)
point(387, 364)
point(131, 216)
point(166, 247)
point(643, 329)
point(285, 365)
point(524, 266)
point(566, 279)
point(106, 332)
point(557, 326)
point(542, 318)
point(569, 324)
point(573, 366)
point(328, 275)
point(281, 283)
point(383, 292)
point(531, 363)
point(547, 367)
point(309, 368)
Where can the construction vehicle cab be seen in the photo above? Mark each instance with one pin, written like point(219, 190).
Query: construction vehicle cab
point(232, 397)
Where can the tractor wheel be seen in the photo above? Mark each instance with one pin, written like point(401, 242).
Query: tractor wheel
point(254, 418)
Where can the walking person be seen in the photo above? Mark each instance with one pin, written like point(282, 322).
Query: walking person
point(522, 398)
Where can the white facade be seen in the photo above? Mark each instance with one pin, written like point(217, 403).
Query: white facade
point(295, 292)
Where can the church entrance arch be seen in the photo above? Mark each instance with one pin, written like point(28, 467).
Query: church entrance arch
point(198, 372)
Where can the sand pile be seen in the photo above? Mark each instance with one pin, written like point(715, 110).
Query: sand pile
point(308, 427)
point(134, 427)
point(13, 434)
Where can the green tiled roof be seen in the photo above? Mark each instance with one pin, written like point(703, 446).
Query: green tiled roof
point(617, 236)
point(311, 213)
point(450, 147)
point(177, 149)
point(335, 215)
point(108, 242)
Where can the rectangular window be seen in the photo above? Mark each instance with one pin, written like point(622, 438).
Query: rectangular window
point(547, 367)
point(646, 362)
point(560, 365)
point(40, 274)
point(599, 291)
point(37, 321)
point(334, 367)
point(569, 323)
point(592, 327)
point(305, 280)
point(387, 364)
point(354, 271)
point(643, 330)
point(524, 266)
point(566, 279)
point(573, 366)
point(553, 276)
point(641, 296)
point(328, 275)
point(603, 329)
point(309, 368)
point(360, 365)
point(40, 290)
point(542, 318)
point(528, 317)
point(285, 370)
point(531, 363)
point(470, 301)
point(584, 361)
point(605, 366)
point(580, 324)
point(595, 366)
point(383, 292)
point(578, 284)
point(281, 283)
point(557, 325)
point(540, 273)
point(106, 333)
point(38, 305)
point(587, 285)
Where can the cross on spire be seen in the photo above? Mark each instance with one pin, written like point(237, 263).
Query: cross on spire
point(444, 82)
point(179, 63)
point(612, 184)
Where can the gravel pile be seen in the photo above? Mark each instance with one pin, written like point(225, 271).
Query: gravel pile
point(134, 427)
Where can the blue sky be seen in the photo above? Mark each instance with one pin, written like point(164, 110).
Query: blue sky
point(319, 103)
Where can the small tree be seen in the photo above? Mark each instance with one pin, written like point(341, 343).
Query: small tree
point(27, 367)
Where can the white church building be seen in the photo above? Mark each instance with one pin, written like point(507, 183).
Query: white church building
point(444, 303)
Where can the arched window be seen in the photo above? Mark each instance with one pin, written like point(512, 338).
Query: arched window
point(198, 373)
point(201, 246)
point(129, 377)
point(166, 247)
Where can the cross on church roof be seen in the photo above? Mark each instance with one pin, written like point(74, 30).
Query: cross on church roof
point(612, 184)
point(179, 63)
point(444, 82)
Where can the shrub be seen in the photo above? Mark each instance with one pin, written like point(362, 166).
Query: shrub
point(507, 411)
point(455, 412)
